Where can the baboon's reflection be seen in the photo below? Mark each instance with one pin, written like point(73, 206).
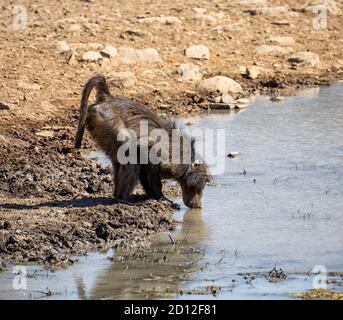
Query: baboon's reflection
point(160, 270)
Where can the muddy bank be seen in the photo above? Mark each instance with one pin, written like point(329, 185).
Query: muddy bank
point(54, 232)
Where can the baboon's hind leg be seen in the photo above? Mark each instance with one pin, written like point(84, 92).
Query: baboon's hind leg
point(150, 179)
point(126, 178)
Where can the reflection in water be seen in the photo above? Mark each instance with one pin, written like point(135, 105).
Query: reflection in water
point(159, 271)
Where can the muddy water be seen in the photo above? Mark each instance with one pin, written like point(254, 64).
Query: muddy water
point(279, 203)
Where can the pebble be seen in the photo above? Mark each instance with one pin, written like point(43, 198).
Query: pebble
point(253, 72)
point(282, 41)
point(199, 51)
point(233, 154)
point(305, 57)
point(226, 98)
point(162, 20)
point(109, 51)
point(221, 84)
point(6, 106)
point(148, 55)
point(277, 98)
point(131, 55)
point(190, 72)
point(91, 56)
point(62, 46)
point(241, 103)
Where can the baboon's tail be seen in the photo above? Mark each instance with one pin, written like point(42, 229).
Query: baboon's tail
point(102, 92)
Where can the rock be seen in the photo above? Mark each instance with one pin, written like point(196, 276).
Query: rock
point(109, 51)
point(132, 33)
point(226, 98)
point(233, 154)
point(148, 55)
point(190, 72)
point(45, 133)
point(281, 23)
point(162, 20)
point(254, 72)
point(277, 98)
point(282, 41)
point(219, 106)
point(272, 50)
point(62, 46)
point(198, 51)
point(91, 56)
point(124, 79)
point(28, 86)
point(221, 84)
point(127, 55)
point(305, 57)
point(6, 106)
point(241, 103)
point(72, 59)
point(131, 55)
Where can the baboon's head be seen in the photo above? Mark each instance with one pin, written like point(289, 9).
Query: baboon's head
point(193, 183)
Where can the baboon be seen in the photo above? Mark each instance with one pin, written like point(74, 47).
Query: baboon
point(108, 116)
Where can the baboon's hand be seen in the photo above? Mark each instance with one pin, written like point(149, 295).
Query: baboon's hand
point(174, 205)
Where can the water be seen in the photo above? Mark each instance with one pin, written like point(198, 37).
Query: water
point(286, 211)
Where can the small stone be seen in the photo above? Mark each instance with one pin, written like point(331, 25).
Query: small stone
point(305, 57)
point(72, 59)
point(254, 72)
point(277, 98)
point(109, 51)
point(127, 55)
point(190, 72)
point(226, 98)
point(282, 41)
point(148, 55)
point(221, 84)
point(199, 51)
point(91, 56)
point(233, 154)
point(45, 133)
point(6, 106)
point(241, 103)
point(162, 20)
point(272, 50)
point(219, 106)
point(62, 46)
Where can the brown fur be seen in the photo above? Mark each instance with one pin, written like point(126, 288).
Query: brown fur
point(106, 117)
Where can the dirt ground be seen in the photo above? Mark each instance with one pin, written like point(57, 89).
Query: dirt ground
point(53, 202)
